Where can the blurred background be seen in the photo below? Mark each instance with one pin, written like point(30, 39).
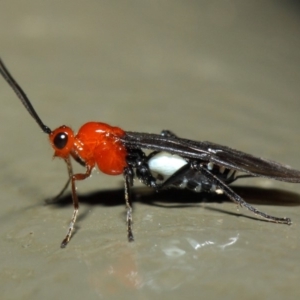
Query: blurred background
point(224, 71)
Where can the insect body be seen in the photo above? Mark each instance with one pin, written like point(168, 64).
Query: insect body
point(172, 162)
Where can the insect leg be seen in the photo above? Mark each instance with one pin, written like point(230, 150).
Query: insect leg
point(78, 159)
point(73, 178)
point(237, 199)
point(128, 179)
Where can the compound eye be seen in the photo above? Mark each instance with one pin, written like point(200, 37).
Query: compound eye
point(60, 140)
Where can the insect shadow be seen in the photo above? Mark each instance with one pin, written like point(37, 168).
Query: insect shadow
point(174, 198)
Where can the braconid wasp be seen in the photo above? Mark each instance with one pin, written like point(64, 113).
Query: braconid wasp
point(172, 162)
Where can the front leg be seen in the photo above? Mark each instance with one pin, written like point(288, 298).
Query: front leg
point(74, 177)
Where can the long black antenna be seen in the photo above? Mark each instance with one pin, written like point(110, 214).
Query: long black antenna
point(22, 96)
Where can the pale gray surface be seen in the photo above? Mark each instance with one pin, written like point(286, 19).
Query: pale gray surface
point(224, 71)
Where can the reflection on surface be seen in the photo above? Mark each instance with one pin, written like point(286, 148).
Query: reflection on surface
point(166, 265)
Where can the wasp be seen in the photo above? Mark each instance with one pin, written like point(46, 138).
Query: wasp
point(173, 162)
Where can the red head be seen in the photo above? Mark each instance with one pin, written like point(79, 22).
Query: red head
point(62, 141)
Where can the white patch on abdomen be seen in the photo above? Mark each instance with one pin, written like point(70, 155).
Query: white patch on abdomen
point(165, 164)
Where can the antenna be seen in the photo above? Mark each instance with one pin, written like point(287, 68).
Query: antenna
point(22, 96)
